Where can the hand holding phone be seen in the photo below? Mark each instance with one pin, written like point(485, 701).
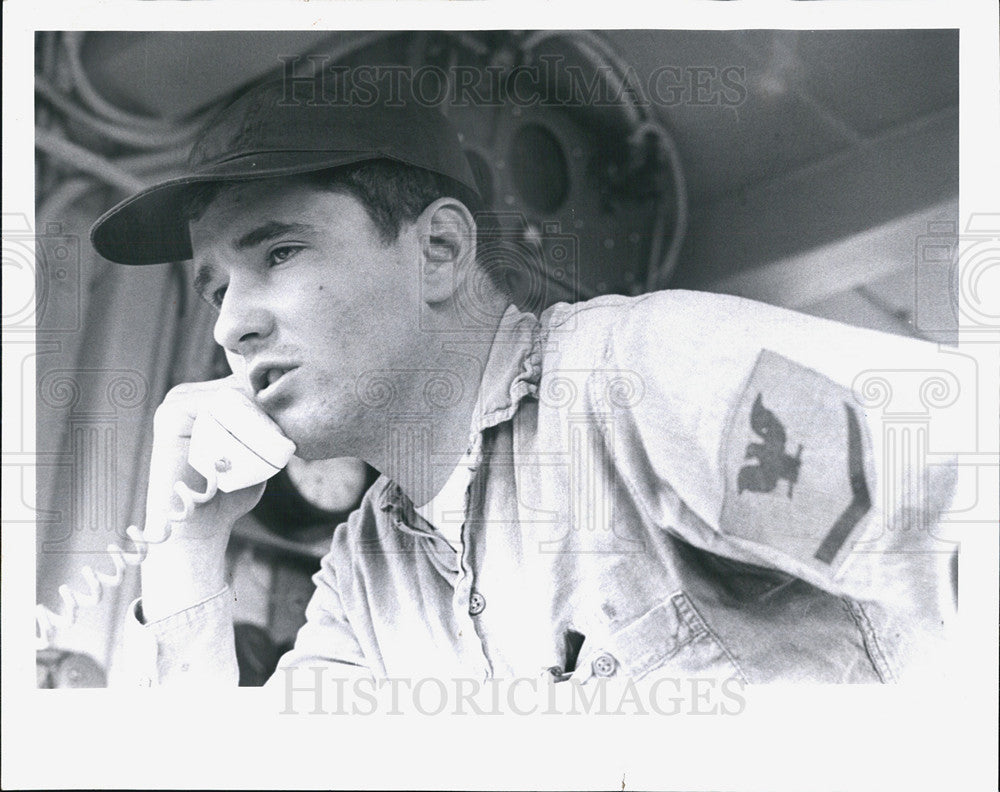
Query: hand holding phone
point(234, 443)
point(212, 429)
point(209, 434)
point(212, 450)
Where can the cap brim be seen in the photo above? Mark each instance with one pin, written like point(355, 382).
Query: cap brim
point(151, 227)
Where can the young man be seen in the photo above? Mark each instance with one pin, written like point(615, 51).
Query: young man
point(678, 483)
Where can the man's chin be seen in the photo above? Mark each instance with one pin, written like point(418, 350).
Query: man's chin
point(307, 454)
point(314, 436)
point(309, 448)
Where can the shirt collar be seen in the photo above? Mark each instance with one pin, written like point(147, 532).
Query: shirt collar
point(512, 371)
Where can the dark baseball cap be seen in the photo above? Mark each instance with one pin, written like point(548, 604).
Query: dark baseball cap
point(266, 132)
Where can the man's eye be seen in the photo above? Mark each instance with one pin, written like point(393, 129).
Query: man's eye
point(281, 254)
point(215, 298)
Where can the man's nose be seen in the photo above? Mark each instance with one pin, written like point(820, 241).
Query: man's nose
point(244, 317)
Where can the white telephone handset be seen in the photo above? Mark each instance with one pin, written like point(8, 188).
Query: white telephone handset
point(234, 445)
point(235, 441)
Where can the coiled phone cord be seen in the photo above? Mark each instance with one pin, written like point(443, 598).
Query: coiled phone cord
point(47, 621)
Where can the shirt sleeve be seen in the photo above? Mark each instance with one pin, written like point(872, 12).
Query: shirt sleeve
point(192, 648)
point(326, 641)
point(781, 440)
point(196, 647)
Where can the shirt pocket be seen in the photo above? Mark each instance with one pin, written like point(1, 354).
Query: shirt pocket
point(671, 639)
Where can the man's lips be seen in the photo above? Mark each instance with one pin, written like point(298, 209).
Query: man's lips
point(264, 376)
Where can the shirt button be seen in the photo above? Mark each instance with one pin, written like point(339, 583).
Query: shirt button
point(604, 665)
point(145, 682)
point(477, 603)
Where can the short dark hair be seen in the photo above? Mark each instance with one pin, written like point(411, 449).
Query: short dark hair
point(392, 193)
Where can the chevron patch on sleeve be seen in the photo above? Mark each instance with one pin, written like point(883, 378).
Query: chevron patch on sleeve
point(797, 457)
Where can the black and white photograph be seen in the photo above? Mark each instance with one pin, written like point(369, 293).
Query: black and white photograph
point(508, 379)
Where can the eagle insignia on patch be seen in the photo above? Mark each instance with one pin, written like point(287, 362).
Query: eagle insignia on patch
point(772, 461)
point(798, 464)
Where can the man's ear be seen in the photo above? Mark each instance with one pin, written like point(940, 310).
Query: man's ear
point(447, 248)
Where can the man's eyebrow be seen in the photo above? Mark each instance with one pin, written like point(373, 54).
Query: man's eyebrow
point(268, 231)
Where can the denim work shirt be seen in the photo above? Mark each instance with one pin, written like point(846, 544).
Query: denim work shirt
point(678, 483)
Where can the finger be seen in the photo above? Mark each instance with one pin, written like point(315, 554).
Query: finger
point(185, 389)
